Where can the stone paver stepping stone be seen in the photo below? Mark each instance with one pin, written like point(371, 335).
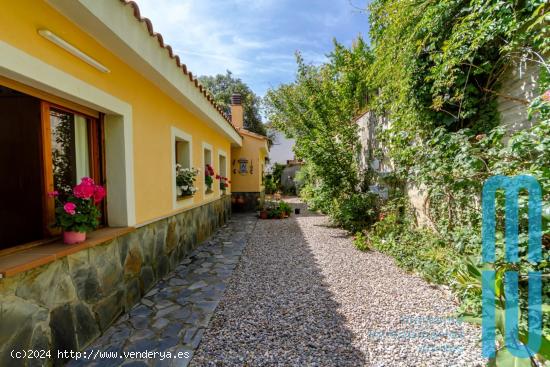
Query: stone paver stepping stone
point(172, 316)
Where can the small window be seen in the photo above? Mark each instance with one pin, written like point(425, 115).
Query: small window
point(184, 174)
point(183, 150)
point(209, 174)
point(222, 167)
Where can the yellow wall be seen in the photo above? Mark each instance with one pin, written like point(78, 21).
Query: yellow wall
point(253, 150)
point(154, 113)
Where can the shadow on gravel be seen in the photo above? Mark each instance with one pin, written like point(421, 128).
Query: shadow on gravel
point(278, 310)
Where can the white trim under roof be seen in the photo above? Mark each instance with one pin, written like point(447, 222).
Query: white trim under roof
point(113, 24)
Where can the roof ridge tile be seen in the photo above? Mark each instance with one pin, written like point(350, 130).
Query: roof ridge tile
point(160, 39)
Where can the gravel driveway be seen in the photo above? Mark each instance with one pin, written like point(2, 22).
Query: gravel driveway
point(302, 295)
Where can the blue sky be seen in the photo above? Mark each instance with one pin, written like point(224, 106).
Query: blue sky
point(255, 39)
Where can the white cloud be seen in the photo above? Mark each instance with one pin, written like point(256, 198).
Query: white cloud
point(207, 43)
point(255, 39)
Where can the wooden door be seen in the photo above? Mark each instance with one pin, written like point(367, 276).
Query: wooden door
point(21, 169)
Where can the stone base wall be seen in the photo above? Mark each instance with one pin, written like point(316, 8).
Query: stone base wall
point(242, 202)
point(67, 304)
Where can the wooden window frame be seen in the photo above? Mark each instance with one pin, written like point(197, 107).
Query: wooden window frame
point(96, 146)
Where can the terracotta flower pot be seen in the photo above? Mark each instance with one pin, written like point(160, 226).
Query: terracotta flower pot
point(282, 215)
point(71, 237)
point(263, 214)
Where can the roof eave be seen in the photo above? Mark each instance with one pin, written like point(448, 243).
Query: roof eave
point(120, 29)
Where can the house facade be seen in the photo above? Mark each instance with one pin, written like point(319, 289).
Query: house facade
point(248, 164)
point(88, 89)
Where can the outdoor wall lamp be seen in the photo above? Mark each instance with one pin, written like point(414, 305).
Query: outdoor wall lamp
point(72, 50)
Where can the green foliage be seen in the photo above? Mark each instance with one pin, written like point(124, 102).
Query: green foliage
point(275, 209)
point(185, 179)
point(317, 110)
point(360, 241)
point(223, 86)
point(470, 277)
point(355, 211)
point(285, 207)
point(434, 72)
point(416, 250)
point(270, 185)
point(274, 213)
point(85, 220)
point(208, 180)
point(437, 70)
point(273, 180)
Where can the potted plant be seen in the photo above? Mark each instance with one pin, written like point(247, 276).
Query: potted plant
point(274, 213)
point(185, 180)
point(77, 213)
point(285, 208)
point(224, 183)
point(208, 177)
point(263, 212)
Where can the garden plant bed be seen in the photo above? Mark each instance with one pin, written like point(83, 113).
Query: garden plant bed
point(275, 210)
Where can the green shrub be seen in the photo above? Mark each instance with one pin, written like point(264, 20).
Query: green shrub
point(270, 185)
point(415, 249)
point(355, 212)
point(274, 213)
point(360, 241)
point(285, 208)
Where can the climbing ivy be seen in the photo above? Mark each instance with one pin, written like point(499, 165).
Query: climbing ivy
point(437, 71)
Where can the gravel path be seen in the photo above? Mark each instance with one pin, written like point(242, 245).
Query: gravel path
point(302, 295)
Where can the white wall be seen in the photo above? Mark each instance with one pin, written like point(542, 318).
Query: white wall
point(517, 90)
point(281, 150)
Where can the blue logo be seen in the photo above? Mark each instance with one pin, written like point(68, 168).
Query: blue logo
point(511, 187)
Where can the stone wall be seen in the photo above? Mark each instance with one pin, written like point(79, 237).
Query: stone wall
point(67, 304)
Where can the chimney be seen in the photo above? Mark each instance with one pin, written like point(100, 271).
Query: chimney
point(237, 115)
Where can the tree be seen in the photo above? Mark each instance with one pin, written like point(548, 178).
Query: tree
point(223, 86)
point(318, 110)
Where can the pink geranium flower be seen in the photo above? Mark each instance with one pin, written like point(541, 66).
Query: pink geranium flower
point(87, 181)
point(546, 96)
point(53, 194)
point(70, 208)
point(84, 190)
point(99, 194)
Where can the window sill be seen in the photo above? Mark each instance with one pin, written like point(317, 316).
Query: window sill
point(184, 197)
point(27, 259)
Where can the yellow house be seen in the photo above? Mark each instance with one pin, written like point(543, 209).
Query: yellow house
point(87, 88)
point(247, 163)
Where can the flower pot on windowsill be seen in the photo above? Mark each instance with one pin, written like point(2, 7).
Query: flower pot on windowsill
point(184, 197)
point(72, 237)
point(184, 194)
point(209, 191)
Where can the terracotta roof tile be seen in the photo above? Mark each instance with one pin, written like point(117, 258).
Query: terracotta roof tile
point(176, 58)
